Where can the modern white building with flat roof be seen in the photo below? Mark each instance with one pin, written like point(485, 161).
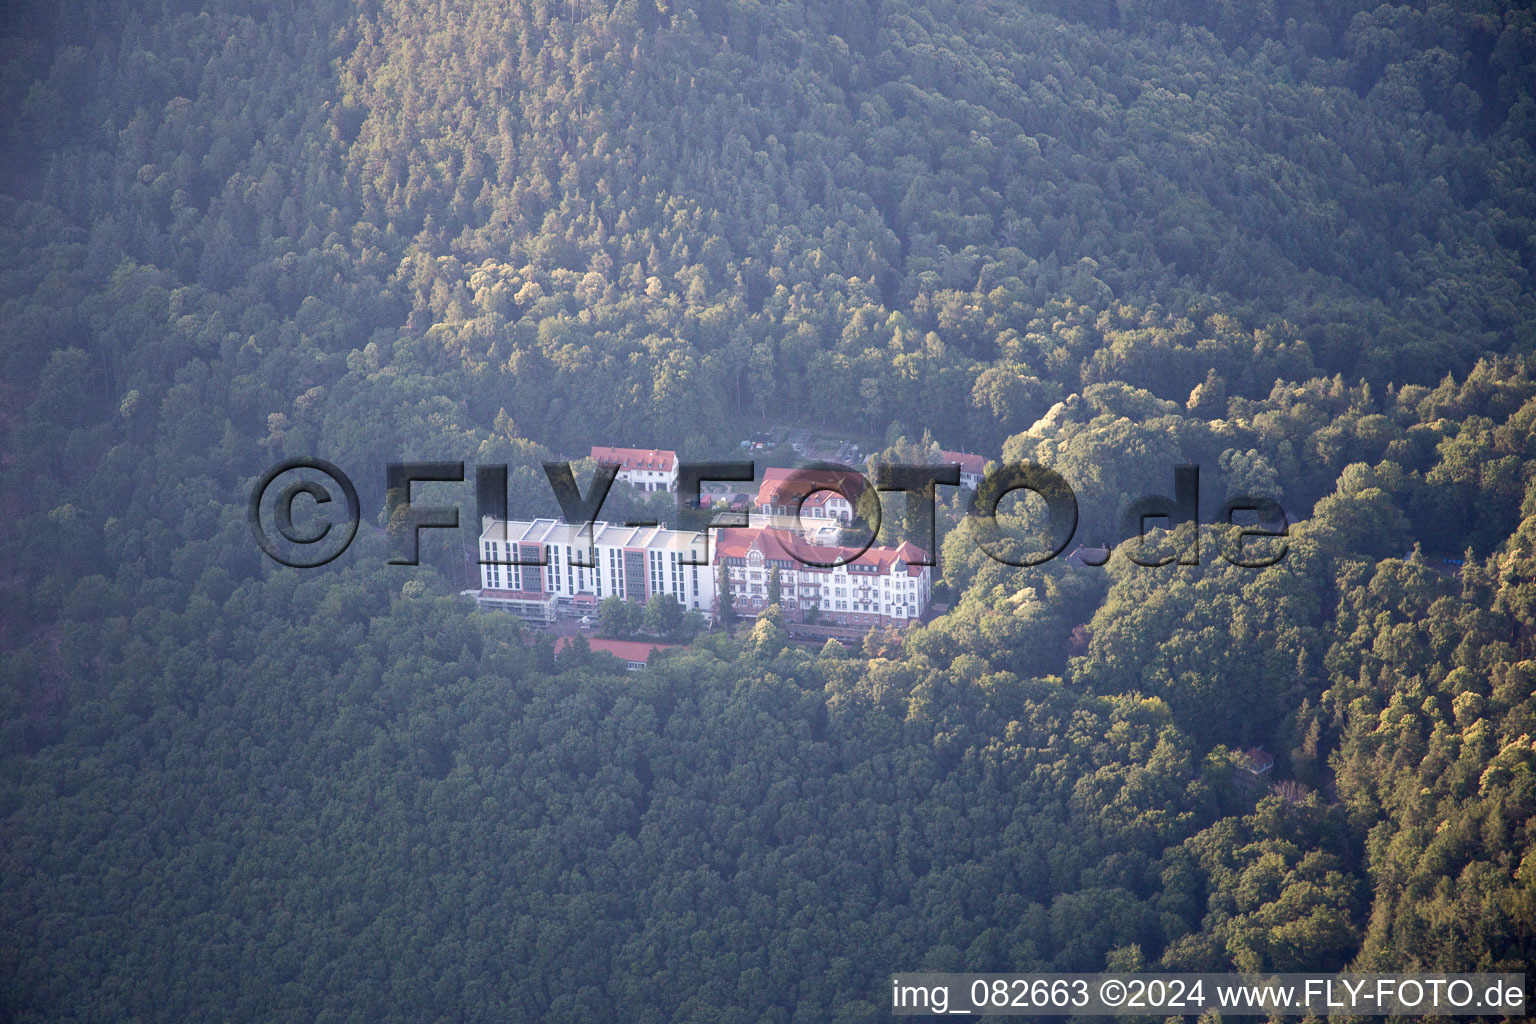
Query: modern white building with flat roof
point(540, 568)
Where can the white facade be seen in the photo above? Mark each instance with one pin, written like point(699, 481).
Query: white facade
point(632, 562)
point(823, 505)
point(649, 479)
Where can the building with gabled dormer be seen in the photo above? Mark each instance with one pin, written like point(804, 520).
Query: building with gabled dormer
point(781, 491)
point(879, 587)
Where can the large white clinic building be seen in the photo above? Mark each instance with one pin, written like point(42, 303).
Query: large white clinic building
point(543, 569)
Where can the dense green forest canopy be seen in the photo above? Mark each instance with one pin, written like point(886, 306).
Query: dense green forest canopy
point(1288, 241)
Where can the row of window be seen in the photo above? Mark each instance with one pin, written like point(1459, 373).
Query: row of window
point(666, 573)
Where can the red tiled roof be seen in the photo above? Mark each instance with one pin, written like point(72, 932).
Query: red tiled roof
point(776, 479)
point(1259, 759)
point(625, 650)
point(636, 458)
point(968, 463)
point(735, 543)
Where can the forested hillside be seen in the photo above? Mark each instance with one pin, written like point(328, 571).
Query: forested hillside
point(1290, 242)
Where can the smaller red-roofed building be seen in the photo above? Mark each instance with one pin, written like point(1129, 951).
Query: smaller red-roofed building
point(972, 467)
point(826, 493)
point(644, 469)
point(635, 654)
point(1258, 760)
